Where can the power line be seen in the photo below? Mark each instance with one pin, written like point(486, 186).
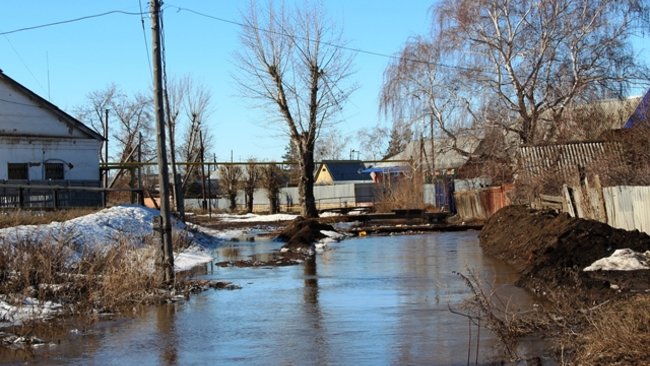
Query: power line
point(223, 20)
point(144, 35)
point(23, 62)
point(351, 49)
point(70, 21)
point(19, 103)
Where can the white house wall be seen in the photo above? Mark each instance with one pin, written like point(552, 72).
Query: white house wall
point(21, 116)
point(83, 154)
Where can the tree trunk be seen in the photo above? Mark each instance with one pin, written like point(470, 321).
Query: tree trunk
point(306, 185)
point(233, 201)
point(273, 202)
point(249, 200)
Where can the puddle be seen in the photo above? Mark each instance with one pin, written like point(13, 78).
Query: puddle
point(367, 301)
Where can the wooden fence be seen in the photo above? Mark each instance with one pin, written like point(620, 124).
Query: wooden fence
point(624, 207)
point(55, 195)
point(480, 204)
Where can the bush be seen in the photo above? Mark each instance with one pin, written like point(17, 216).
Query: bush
point(106, 279)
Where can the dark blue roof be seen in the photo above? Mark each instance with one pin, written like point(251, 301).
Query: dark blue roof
point(344, 170)
point(641, 113)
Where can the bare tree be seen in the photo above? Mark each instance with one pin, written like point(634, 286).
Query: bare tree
point(131, 115)
point(174, 93)
point(95, 113)
point(272, 179)
point(134, 116)
point(197, 138)
point(229, 179)
point(332, 146)
point(292, 64)
point(250, 183)
point(538, 58)
point(373, 143)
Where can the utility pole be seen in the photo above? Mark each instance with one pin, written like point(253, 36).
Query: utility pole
point(204, 204)
point(165, 259)
point(105, 177)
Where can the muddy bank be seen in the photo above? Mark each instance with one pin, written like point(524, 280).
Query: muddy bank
point(593, 317)
point(551, 250)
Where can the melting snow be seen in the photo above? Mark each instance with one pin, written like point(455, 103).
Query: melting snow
point(255, 218)
point(622, 260)
point(29, 309)
point(106, 227)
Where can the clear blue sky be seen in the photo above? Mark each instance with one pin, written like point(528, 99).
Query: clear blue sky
point(89, 55)
point(65, 62)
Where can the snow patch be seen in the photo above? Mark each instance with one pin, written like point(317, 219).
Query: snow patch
point(185, 261)
point(255, 218)
point(330, 214)
point(622, 260)
point(29, 309)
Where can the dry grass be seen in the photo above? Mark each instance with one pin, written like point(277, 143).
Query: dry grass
point(619, 334)
point(487, 309)
point(26, 217)
point(110, 279)
point(405, 193)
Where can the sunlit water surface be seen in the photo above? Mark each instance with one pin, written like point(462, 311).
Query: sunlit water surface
point(367, 301)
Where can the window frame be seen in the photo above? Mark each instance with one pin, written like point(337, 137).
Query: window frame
point(54, 171)
point(18, 167)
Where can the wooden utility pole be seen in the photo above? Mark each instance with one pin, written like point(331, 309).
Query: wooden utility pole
point(106, 148)
point(203, 193)
point(105, 176)
point(165, 259)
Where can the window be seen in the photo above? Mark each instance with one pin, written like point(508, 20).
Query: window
point(17, 171)
point(54, 171)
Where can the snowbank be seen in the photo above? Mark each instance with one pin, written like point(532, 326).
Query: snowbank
point(254, 217)
point(622, 260)
point(105, 228)
point(100, 228)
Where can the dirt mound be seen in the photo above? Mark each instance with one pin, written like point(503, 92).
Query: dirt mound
point(551, 249)
point(302, 233)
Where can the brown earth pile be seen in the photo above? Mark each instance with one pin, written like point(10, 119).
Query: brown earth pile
point(550, 250)
point(591, 318)
point(301, 234)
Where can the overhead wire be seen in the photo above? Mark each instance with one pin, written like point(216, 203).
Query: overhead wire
point(70, 21)
point(352, 49)
point(144, 35)
point(19, 103)
point(23, 62)
point(223, 20)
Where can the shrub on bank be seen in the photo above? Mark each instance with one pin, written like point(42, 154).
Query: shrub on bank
point(95, 280)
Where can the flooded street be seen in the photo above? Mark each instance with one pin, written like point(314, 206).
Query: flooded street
point(367, 301)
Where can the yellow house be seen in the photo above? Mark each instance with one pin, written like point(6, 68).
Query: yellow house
point(341, 172)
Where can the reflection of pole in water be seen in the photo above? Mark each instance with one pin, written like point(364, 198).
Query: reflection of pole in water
point(311, 281)
point(165, 317)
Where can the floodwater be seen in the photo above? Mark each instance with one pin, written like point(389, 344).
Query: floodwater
point(367, 301)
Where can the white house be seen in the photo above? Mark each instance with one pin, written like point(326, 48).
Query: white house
point(41, 143)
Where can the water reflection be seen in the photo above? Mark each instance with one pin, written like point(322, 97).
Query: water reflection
point(311, 282)
point(165, 320)
point(369, 301)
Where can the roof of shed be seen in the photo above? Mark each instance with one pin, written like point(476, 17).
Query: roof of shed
point(447, 154)
point(566, 159)
point(346, 170)
point(39, 101)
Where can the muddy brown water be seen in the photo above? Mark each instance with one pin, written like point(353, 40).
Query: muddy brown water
point(367, 301)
